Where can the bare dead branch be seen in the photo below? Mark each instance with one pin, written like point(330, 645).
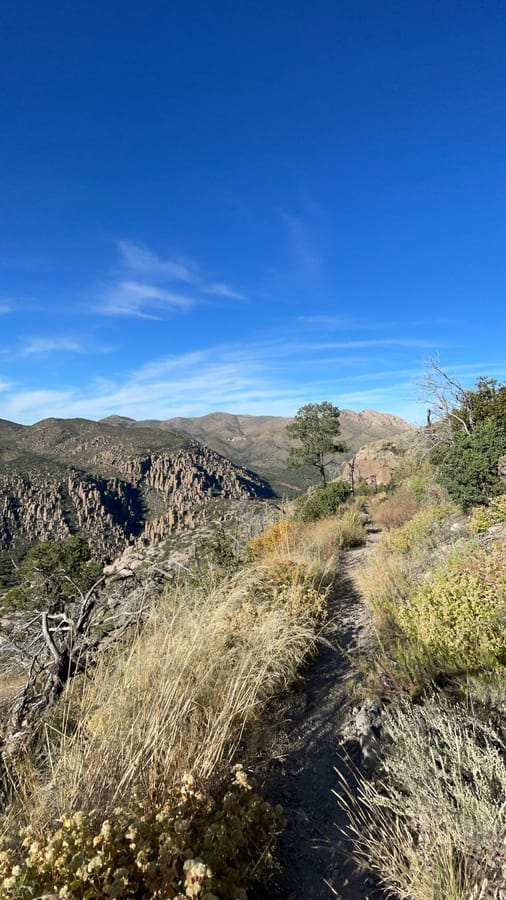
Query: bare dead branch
point(53, 649)
point(445, 396)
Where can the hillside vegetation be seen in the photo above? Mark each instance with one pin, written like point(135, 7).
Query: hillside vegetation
point(136, 783)
point(138, 778)
point(432, 820)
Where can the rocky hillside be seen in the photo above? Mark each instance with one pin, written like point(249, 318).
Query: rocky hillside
point(261, 442)
point(60, 477)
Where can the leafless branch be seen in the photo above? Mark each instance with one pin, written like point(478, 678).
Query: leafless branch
point(445, 397)
point(68, 643)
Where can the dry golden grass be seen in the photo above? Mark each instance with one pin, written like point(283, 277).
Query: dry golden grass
point(10, 684)
point(392, 510)
point(181, 697)
point(316, 544)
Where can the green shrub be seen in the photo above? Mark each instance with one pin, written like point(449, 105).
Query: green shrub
point(54, 572)
point(195, 845)
point(458, 616)
point(484, 517)
point(467, 467)
point(422, 531)
point(325, 501)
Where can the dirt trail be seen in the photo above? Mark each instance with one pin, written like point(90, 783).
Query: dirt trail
point(312, 851)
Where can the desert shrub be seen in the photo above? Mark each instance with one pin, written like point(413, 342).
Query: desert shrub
point(364, 488)
point(458, 615)
point(393, 510)
point(53, 573)
point(389, 578)
point(425, 529)
point(432, 821)
point(386, 582)
point(425, 486)
point(482, 694)
point(483, 517)
point(295, 585)
point(197, 844)
point(317, 544)
point(220, 552)
point(447, 622)
point(276, 538)
point(350, 529)
point(325, 501)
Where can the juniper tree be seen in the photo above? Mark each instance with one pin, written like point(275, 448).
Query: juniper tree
point(316, 426)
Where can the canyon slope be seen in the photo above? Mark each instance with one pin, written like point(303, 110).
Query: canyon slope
point(261, 442)
point(61, 477)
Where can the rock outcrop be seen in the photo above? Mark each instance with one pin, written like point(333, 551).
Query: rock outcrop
point(377, 463)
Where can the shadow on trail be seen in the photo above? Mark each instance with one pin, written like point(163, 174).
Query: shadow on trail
point(314, 854)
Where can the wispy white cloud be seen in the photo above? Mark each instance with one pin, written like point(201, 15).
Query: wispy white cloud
point(254, 379)
point(139, 299)
point(41, 345)
point(344, 323)
point(302, 248)
point(32, 405)
point(441, 321)
point(139, 259)
point(144, 289)
point(7, 305)
point(420, 343)
point(5, 385)
point(220, 289)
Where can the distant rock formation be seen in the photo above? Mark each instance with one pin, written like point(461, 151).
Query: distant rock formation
point(377, 462)
point(118, 493)
point(261, 443)
point(122, 482)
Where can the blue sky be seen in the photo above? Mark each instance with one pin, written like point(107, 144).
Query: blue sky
point(247, 206)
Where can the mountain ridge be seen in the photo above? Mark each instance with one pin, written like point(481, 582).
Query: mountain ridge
point(261, 443)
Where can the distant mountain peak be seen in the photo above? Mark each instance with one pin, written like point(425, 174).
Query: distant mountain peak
point(117, 420)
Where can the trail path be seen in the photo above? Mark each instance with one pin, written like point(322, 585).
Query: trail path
point(313, 853)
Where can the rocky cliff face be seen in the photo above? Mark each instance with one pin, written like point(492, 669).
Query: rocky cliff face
point(377, 462)
point(125, 493)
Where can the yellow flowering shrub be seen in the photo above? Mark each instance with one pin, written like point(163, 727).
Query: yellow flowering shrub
point(193, 845)
point(483, 517)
